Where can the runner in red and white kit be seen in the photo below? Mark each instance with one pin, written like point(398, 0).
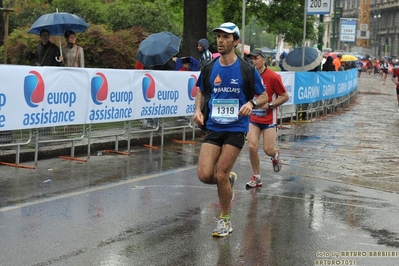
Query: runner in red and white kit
point(395, 79)
point(264, 120)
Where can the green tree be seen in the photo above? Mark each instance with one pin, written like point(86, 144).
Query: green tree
point(92, 11)
point(152, 16)
point(111, 49)
point(284, 17)
point(103, 48)
point(231, 11)
point(25, 14)
point(21, 47)
point(124, 24)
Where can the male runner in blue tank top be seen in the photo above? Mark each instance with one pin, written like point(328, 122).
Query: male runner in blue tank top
point(228, 120)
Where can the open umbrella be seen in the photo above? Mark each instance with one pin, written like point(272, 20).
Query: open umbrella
point(334, 54)
point(267, 50)
point(293, 61)
point(348, 58)
point(194, 63)
point(58, 23)
point(158, 48)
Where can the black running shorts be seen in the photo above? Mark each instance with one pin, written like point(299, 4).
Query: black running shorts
point(236, 139)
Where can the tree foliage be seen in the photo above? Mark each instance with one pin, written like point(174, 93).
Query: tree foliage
point(21, 47)
point(118, 26)
point(108, 49)
point(103, 48)
point(284, 17)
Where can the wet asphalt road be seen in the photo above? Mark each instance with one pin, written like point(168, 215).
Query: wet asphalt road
point(335, 201)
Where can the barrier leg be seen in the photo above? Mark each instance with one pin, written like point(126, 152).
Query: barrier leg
point(36, 146)
point(129, 127)
point(88, 141)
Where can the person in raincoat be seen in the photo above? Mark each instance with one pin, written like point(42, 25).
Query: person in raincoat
point(328, 65)
point(47, 53)
point(280, 63)
point(73, 54)
point(337, 62)
point(395, 79)
point(205, 54)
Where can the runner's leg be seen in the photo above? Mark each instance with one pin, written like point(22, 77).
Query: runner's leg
point(208, 158)
point(269, 141)
point(253, 145)
point(223, 168)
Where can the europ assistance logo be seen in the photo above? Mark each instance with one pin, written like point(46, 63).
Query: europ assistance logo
point(192, 88)
point(99, 88)
point(34, 89)
point(148, 86)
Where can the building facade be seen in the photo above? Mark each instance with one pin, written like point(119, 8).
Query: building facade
point(379, 20)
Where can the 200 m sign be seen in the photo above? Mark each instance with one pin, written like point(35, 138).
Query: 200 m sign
point(315, 3)
point(318, 6)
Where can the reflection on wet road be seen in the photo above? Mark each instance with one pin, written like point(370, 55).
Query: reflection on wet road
point(167, 218)
point(334, 201)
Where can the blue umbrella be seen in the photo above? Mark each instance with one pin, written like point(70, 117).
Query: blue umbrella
point(158, 48)
point(293, 61)
point(194, 63)
point(58, 23)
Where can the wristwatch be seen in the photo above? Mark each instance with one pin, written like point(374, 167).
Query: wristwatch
point(271, 106)
point(254, 103)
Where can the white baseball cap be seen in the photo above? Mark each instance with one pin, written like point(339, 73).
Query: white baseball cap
point(228, 27)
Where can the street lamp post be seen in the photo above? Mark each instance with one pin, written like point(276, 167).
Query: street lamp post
point(376, 24)
point(250, 42)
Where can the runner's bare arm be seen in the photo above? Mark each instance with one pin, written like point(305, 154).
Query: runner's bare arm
point(198, 117)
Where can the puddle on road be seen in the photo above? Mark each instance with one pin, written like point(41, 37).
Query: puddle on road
point(295, 138)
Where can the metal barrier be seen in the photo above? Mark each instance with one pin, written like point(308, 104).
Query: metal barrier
point(285, 111)
point(184, 123)
point(306, 111)
point(16, 138)
point(116, 130)
point(125, 130)
point(140, 127)
point(70, 133)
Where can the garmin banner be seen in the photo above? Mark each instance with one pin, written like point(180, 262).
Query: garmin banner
point(316, 86)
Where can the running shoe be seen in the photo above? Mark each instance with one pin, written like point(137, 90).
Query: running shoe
point(254, 182)
point(223, 228)
point(232, 178)
point(277, 162)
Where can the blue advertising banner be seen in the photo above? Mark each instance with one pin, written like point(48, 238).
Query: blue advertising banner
point(316, 86)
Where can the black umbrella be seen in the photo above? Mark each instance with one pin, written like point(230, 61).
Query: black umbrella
point(293, 61)
point(158, 48)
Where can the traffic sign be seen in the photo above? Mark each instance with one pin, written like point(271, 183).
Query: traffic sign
point(348, 30)
point(318, 7)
